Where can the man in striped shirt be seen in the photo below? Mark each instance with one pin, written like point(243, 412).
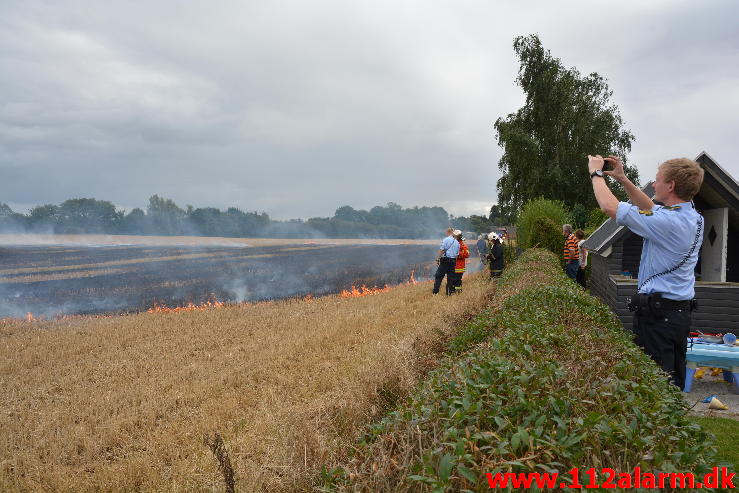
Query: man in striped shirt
point(572, 259)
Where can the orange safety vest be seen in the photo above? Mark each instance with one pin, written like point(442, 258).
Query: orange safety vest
point(464, 252)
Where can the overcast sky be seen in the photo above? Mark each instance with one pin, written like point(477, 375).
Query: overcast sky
point(298, 107)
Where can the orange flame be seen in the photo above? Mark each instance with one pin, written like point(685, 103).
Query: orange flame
point(363, 291)
point(29, 317)
point(355, 292)
point(190, 307)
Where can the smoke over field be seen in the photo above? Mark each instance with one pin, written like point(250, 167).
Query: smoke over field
point(49, 280)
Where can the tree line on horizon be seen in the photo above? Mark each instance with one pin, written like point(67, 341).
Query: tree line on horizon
point(164, 217)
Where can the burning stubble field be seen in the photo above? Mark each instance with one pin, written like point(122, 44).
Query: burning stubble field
point(50, 280)
point(124, 403)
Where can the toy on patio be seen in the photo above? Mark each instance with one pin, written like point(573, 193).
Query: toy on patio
point(714, 354)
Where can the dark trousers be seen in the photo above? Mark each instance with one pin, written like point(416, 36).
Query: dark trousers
point(572, 267)
point(581, 277)
point(458, 282)
point(665, 340)
point(446, 268)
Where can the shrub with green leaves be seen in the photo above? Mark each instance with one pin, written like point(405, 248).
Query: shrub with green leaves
point(526, 226)
point(547, 235)
point(544, 381)
point(596, 217)
point(579, 216)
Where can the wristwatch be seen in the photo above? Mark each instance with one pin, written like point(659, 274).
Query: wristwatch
point(597, 172)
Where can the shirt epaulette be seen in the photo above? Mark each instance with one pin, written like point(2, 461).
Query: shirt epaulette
point(668, 257)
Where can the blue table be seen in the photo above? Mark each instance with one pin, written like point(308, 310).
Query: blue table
point(712, 356)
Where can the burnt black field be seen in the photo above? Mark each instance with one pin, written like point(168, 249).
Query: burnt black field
point(150, 275)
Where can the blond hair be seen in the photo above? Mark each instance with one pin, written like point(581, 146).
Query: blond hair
point(687, 175)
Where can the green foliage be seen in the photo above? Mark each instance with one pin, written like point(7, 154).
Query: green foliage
point(545, 143)
point(532, 231)
point(596, 217)
point(548, 382)
point(86, 216)
point(509, 254)
point(473, 333)
point(481, 224)
point(9, 220)
point(498, 219)
point(726, 436)
point(165, 215)
point(547, 234)
point(579, 216)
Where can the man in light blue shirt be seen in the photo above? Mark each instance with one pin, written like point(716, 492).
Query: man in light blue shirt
point(673, 234)
point(446, 257)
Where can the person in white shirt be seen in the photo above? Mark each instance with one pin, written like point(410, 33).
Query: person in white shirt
point(580, 235)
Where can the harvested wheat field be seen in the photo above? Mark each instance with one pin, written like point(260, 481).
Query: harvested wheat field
point(123, 403)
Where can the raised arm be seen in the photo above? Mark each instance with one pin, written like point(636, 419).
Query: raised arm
point(606, 200)
point(637, 197)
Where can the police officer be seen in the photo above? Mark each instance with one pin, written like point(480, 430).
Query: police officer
point(446, 258)
point(673, 233)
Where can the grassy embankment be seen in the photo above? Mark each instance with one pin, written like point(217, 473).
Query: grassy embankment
point(543, 381)
point(123, 403)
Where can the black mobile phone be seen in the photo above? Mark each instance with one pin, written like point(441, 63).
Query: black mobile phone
point(607, 164)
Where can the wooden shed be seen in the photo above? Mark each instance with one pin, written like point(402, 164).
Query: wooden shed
point(615, 253)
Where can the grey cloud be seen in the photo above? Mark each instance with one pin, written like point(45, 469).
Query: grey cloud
point(297, 108)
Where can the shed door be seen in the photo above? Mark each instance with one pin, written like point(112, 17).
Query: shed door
point(713, 252)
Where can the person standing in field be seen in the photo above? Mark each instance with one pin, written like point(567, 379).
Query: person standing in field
point(446, 258)
point(482, 249)
point(583, 256)
point(496, 257)
point(572, 258)
point(459, 266)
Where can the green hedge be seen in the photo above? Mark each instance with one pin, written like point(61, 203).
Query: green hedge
point(546, 380)
point(529, 221)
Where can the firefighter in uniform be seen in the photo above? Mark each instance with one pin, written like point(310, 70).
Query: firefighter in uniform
point(459, 266)
point(673, 234)
point(496, 257)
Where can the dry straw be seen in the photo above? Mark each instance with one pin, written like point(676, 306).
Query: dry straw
point(123, 403)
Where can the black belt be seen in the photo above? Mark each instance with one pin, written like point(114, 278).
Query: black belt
point(668, 304)
point(657, 303)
